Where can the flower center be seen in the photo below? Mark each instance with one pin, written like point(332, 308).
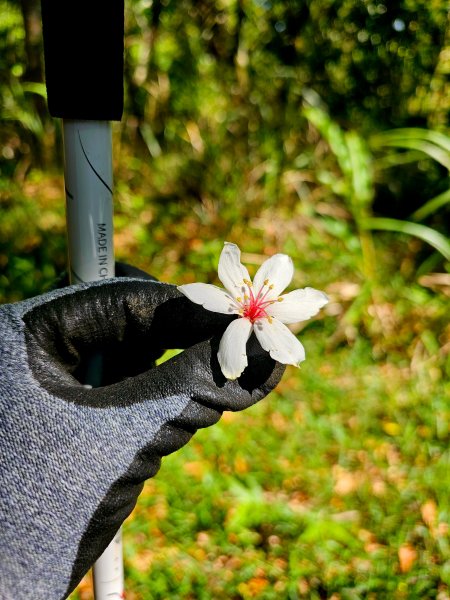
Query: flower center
point(253, 310)
point(253, 306)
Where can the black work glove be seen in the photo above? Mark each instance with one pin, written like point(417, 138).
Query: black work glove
point(74, 458)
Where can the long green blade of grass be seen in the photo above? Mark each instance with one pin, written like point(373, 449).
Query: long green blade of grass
point(397, 158)
point(431, 206)
point(435, 152)
point(332, 134)
point(427, 234)
point(360, 169)
point(396, 136)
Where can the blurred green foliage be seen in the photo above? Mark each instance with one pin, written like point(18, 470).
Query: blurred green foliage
point(319, 129)
point(215, 128)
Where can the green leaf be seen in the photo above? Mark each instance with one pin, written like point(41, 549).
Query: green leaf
point(397, 158)
point(431, 206)
point(35, 88)
point(332, 134)
point(434, 144)
point(327, 529)
point(427, 135)
point(168, 354)
point(360, 169)
point(427, 234)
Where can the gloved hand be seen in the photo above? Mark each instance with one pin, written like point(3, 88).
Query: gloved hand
point(74, 459)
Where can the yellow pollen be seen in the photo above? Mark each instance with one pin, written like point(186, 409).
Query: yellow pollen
point(270, 319)
point(246, 297)
point(271, 286)
point(280, 299)
point(239, 299)
point(266, 282)
point(247, 282)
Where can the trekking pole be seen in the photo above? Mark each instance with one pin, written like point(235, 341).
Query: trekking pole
point(83, 48)
point(89, 211)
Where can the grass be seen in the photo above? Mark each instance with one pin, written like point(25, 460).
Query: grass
point(335, 486)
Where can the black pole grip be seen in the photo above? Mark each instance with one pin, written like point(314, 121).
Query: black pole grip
point(83, 51)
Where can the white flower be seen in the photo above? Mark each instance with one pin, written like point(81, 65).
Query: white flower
point(260, 307)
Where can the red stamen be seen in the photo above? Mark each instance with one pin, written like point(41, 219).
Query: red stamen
point(254, 308)
point(265, 293)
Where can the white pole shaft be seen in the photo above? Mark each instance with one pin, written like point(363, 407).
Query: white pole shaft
point(108, 571)
point(89, 185)
point(89, 211)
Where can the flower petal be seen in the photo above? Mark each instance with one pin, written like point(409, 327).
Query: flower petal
point(298, 305)
point(210, 297)
point(278, 270)
point(281, 343)
point(232, 353)
point(231, 272)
